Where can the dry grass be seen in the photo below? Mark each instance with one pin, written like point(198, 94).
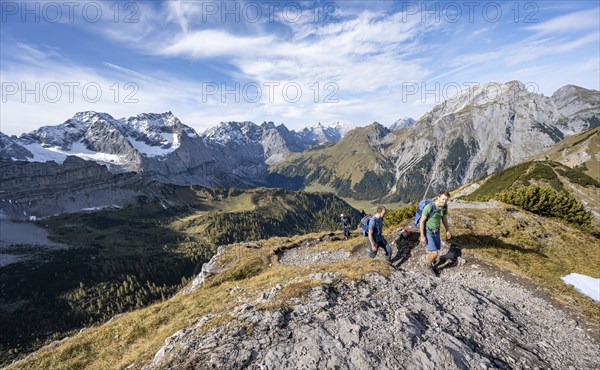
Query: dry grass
point(136, 336)
point(541, 249)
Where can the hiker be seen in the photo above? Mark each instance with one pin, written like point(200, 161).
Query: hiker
point(345, 224)
point(375, 234)
point(429, 226)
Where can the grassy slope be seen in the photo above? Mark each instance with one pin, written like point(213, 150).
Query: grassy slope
point(139, 334)
point(578, 150)
point(348, 159)
point(528, 245)
point(546, 173)
point(539, 248)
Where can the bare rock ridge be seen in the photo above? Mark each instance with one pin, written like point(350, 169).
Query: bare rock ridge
point(467, 318)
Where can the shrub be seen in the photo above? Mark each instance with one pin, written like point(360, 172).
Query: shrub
point(397, 216)
point(547, 202)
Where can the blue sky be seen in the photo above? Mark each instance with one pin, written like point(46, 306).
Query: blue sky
point(291, 62)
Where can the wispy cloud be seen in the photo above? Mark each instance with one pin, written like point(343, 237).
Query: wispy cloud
point(577, 21)
point(206, 66)
point(529, 49)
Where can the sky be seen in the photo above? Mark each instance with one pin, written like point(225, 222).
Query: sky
point(292, 62)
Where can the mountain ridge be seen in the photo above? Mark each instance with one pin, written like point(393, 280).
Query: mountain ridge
point(461, 140)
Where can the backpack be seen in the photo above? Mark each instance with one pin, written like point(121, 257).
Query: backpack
point(364, 222)
point(420, 208)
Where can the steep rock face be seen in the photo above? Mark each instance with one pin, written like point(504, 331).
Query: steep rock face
point(43, 189)
point(578, 109)
point(479, 133)
point(278, 142)
point(10, 149)
point(482, 131)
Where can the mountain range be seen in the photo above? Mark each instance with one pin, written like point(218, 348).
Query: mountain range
point(299, 300)
point(478, 133)
point(159, 145)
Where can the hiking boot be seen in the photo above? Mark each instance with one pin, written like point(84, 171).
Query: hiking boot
point(433, 269)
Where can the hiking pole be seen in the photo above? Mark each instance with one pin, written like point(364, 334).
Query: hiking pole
point(427, 189)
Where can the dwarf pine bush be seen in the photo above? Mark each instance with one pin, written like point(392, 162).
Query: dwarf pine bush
point(545, 201)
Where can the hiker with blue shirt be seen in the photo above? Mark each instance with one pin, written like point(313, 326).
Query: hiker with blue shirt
point(375, 234)
point(429, 227)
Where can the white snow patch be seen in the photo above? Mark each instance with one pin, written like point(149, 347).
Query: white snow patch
point(149, 150)
point(99, 208)
point(584, 284)
point(41, 154)
point(93, 208)
point(81, 151)
point(58, 155)
point(171, 138)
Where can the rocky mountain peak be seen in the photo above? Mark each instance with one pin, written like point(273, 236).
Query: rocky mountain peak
point(64, 135)
point(270, 125)
point(402, 123)
point(89, 117)
point(234, 132)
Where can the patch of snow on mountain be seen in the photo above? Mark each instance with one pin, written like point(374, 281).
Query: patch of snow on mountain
point(41, 154)
point(58, 155)
point(150, 150)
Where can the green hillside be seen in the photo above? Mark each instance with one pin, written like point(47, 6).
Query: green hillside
point(579, 151)
point(572, 182)
point(353, 168)
point(125, 259)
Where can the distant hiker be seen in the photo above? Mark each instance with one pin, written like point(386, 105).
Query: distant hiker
point(429, 226)
point(345, 222)
point(375, 234)
point(346, 225)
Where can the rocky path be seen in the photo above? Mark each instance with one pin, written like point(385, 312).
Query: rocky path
point(468, 318)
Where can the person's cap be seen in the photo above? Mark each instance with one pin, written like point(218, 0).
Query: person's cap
point(342, 215)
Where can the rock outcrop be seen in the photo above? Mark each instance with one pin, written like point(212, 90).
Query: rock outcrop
point(470, 317)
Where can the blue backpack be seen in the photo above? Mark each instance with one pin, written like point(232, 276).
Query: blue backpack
point(364, 222)
point(420, 208)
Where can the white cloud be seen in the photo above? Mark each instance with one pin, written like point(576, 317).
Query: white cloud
point(583, 20)
point(216, 43)
point(529, 49)
point(366, 55)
